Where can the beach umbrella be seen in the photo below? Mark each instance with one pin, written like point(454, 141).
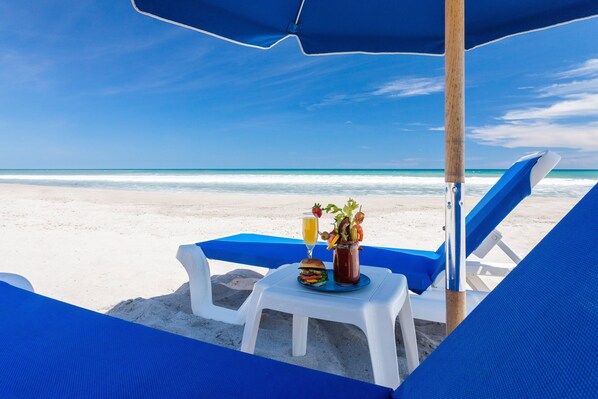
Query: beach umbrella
point(446, 27)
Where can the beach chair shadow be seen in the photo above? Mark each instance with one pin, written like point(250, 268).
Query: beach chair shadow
point(326, 352)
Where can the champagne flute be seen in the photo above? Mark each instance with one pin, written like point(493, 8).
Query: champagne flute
point(310, 232)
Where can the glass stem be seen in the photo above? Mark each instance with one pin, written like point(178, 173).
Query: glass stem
point(309, 251)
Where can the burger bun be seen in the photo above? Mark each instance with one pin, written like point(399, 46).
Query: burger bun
point(312, 264)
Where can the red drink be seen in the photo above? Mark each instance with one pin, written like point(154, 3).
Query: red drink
point(346, 264)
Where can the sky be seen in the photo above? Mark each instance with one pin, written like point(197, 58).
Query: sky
point(94, 84)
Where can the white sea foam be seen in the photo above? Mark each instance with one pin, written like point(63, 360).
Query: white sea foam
point(293, 183)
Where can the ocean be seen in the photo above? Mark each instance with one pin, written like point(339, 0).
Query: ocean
point(354, 182)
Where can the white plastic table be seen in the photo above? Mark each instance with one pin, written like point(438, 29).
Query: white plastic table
point(373, 309)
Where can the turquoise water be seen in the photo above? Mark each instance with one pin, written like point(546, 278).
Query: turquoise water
point(355, 182)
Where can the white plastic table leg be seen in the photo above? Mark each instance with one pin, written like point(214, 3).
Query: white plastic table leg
point(380, 333)
point(252, 326)
point(300, 324)
point(408, 332)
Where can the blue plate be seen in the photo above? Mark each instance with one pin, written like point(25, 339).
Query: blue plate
point(331, 286)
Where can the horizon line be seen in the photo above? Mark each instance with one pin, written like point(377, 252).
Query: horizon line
point(272, 169)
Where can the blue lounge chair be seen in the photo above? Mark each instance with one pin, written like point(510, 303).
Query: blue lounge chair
point(542, 345)
point(423, 269)
point(535, 335)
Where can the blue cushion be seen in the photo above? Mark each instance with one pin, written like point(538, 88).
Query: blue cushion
point(260, 250)
point(416, 265)
point(271, 252)
point(49, 349)
point(535, 335)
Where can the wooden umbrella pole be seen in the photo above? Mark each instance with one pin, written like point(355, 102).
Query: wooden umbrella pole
point(454, 115)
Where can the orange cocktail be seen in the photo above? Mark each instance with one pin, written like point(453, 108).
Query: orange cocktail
point(310, 232)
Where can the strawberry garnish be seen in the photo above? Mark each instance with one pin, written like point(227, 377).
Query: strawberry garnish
point(317, 210)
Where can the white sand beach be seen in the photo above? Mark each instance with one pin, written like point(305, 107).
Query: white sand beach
point(113, 251)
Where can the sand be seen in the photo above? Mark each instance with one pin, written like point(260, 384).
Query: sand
point(113, 251)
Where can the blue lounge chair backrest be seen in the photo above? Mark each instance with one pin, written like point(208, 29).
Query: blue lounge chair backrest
point(535, 335)
point(512, 188)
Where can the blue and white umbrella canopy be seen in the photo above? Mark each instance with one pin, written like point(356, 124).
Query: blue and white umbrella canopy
point(373, 26)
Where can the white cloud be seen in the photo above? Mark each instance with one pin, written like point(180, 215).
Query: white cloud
point(334, 99)
point(588, 68)
point(583, 137)
point(437, 129)
point(570, 120)
point(408, 87)
point(565, 89)
point(581, 105)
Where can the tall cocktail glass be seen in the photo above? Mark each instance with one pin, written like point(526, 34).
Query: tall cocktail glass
point(310, 232)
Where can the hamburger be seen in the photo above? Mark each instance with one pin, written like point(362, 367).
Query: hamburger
point(313, 272)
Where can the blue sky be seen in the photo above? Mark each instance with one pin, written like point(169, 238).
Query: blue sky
point(93, 84)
